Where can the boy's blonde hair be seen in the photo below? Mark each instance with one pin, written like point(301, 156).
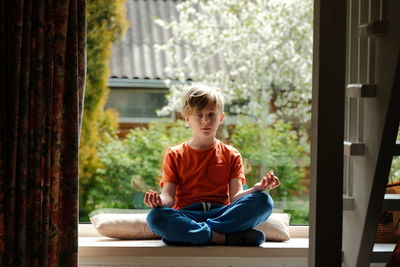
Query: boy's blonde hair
point(200, 97)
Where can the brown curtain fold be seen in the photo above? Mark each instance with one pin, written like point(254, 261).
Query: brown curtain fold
point(42, 77)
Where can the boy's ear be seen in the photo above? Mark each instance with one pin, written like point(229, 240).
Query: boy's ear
point(186, 118)
point(222, 117)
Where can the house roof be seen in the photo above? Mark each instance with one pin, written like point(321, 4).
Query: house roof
point(135, 56)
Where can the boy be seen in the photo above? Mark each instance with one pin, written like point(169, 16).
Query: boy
point(202, 200)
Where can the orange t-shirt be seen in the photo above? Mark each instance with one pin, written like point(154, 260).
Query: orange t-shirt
point(202, 175)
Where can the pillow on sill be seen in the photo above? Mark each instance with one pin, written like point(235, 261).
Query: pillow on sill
point(276, 227)
point(128, 224)
point(122, 224)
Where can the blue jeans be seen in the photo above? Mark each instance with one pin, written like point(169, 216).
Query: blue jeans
point(194, 224)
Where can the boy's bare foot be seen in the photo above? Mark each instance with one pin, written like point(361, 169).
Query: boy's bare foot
point(249, 237)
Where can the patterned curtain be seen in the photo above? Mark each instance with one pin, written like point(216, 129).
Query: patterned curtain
point(42, 76)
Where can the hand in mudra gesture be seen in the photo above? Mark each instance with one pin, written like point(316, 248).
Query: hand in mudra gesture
point(268, 182)
point(152, 199)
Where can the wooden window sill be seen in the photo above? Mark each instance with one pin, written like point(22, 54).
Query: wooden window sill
point(96, 249)
point(96, 246)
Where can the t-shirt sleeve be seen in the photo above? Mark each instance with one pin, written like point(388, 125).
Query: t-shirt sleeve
point(169, 173)
point(237, 169)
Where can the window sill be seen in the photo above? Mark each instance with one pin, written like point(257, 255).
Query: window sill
point(95, 246)
point(95, 249)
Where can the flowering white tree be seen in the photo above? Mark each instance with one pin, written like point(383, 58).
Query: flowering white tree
point(265, 51)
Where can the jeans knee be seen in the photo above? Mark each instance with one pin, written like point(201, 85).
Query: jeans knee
point(155, 217)
point(263, 202)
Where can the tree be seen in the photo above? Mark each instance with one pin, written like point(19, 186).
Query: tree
point(265, 47)
point(106, 20)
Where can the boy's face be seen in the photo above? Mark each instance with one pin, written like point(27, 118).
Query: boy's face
point(205, 123)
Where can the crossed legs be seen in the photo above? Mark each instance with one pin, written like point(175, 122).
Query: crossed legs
point(196, 227)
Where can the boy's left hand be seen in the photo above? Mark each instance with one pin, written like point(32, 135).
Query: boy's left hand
point(268, 182)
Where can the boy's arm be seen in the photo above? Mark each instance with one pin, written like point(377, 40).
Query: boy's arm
point(168, 194)
point(165, 199)
point(268, 182)
point(236, 189)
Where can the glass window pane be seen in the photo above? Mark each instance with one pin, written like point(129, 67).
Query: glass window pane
point(133, 103)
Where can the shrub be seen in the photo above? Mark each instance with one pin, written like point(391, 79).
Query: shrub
point(278, 148)
point(131, 166)
point(283, 150)
point(106, 21)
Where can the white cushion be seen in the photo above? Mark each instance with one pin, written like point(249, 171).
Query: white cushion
point(124, 224)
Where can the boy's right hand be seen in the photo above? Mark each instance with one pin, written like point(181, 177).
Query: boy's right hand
point(152, 199)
